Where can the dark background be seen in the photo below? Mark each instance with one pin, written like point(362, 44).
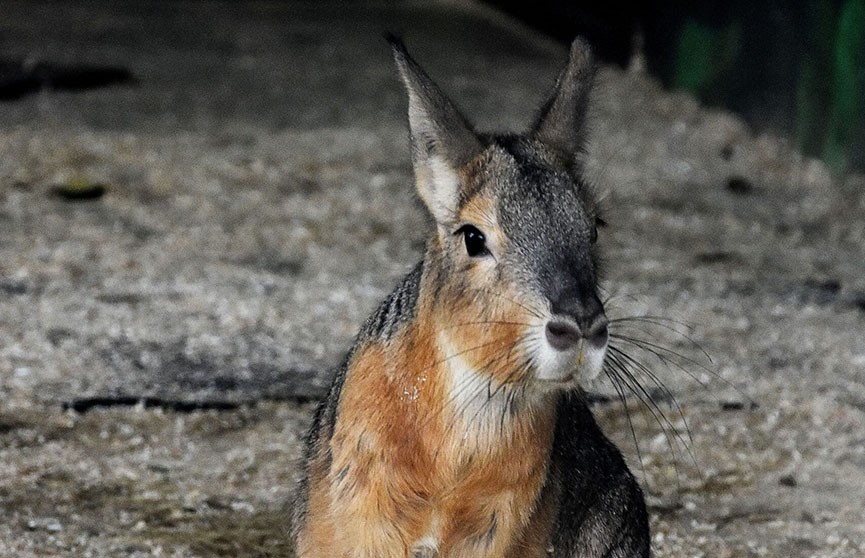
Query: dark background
point(794, 67)
point(797, 68)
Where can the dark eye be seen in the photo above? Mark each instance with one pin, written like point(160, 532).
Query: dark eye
point(476, 242)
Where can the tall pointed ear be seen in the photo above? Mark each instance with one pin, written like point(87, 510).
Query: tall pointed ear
point(441, 138)
point(561, 122)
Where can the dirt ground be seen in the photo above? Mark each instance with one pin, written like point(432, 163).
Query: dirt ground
point(162, 344)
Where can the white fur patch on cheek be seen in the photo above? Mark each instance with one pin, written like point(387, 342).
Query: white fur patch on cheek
point(466, 383)
point(479, 404)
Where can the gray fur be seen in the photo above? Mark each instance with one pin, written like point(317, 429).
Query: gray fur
point(548, 213)
point(435, 123)
point(395, 310)
point(561, 122)
point(601, 509)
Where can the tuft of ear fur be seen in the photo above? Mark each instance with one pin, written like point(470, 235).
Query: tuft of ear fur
point(561, 122)
point(442, 140)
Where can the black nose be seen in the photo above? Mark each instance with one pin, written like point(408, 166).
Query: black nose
point(580, 305)
point(577, 314)
point(564, 335)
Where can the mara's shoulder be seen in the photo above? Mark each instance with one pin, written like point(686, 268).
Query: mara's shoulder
point(396, 310)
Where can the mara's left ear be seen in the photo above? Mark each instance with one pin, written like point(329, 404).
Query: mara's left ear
point(441, 138)
point(561, 122)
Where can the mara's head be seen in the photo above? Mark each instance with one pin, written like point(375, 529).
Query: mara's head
point(513, 260)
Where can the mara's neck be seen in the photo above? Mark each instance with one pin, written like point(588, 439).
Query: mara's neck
point(460, 379)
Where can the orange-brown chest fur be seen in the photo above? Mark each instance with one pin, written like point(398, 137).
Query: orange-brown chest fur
point(419, 463)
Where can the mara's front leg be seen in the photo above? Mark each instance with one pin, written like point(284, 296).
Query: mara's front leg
point(354, 514)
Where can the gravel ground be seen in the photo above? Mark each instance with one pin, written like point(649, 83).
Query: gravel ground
point(258, 203)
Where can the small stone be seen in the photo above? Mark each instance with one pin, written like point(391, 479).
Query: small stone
point(242, 507)
point(715, 257)
point(12, 288)
point(50, 524)
point(820, 292)
point(79, 190)
point(218, 502)
point(740, 185)
point(157, 467)
point(788, 480)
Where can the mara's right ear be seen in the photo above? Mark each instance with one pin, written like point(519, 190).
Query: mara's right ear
point(441, 138)
point(561, 122)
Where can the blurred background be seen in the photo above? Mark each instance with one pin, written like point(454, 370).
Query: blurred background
point(797, 68)
point(794, 68)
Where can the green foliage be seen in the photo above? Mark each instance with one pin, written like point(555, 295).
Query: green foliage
point(704, 56)
point(694, 56)
point(828, 66)
point(814, 80)
point(848, 84)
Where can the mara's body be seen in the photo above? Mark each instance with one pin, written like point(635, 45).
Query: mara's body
point(455, 427)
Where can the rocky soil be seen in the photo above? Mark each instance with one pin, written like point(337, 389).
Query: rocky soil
point(249, 201)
